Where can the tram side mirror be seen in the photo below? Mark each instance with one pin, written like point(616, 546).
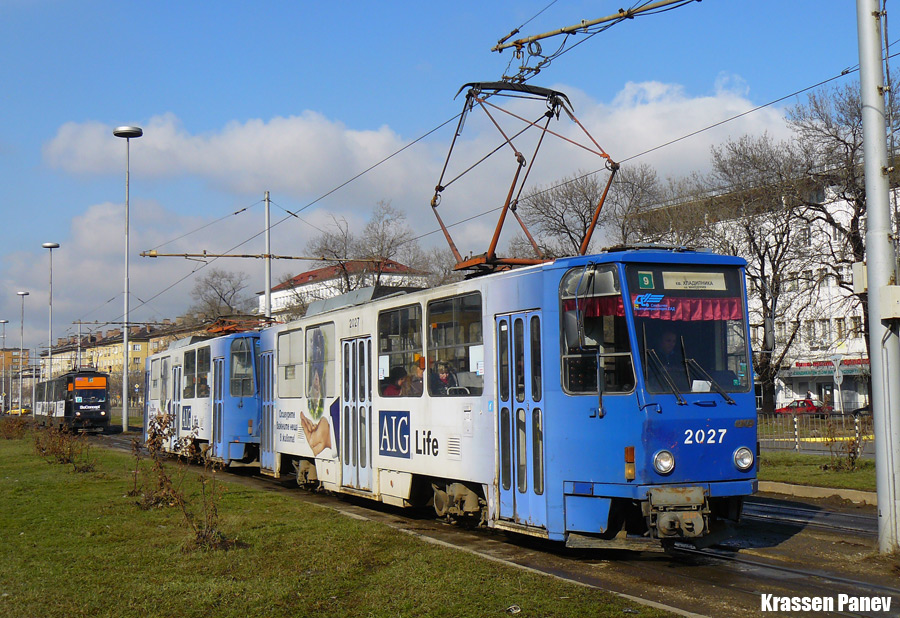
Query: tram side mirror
point(769, 334)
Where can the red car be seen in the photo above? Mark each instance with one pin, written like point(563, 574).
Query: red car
point(805, 406)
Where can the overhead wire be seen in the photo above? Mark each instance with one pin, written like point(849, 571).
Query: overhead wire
point(206, 225)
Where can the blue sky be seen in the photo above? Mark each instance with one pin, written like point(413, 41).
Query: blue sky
point(297, 97)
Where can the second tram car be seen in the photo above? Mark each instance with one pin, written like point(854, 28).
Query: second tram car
point(77, 400)
point(209, 389)
point(595, 400)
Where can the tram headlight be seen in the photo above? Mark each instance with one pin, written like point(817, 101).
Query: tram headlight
point(664, 462)
point(743, 459)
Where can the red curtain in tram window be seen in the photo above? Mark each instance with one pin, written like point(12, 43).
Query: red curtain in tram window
point(597, 306)
point(692, 309)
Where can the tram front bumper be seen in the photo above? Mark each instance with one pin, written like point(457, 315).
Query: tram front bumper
point(677, 512)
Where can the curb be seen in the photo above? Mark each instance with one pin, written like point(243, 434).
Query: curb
point(806, 491)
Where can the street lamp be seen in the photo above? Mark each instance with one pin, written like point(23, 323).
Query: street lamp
point(21, 347)
point(3, 407)
point(51, 246)
point(127, 133)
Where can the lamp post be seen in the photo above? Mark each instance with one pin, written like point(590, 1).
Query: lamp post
point(21, 346)
point(3, 407)
point(51, 246)
point(127, 133)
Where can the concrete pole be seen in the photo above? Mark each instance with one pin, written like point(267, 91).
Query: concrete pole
point(127, 133)
point(3, 407)
point(880, 265)
point(268, 264)
point(22, 295)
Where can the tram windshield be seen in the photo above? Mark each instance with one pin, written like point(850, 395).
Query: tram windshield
point(690, 328)
point(93, 395)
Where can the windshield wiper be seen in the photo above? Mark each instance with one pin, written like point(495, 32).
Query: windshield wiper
point(661, 369)
point(713, 383)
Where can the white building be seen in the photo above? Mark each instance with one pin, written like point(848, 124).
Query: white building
point(827, 358)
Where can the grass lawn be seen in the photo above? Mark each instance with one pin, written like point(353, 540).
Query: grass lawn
point(75, 544)
point(816, 470)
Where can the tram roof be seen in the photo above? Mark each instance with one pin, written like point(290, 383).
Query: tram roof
point(652, 254)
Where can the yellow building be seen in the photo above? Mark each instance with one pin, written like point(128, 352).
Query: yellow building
point(10, 365)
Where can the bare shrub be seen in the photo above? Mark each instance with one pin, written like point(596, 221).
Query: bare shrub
point(844, 450)
point(59, 445)
point(13, 427)
point(157, 487)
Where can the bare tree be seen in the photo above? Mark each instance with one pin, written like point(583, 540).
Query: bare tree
point(295, 305)
point(763, 213)
point(828, 129)
point(680, 216)
point(337, 245)
point(438, 264)
point(560, 216)
point(635, 190)
point(385, 237)
point(219, 292)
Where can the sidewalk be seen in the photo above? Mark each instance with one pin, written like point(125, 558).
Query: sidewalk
point(806, 491)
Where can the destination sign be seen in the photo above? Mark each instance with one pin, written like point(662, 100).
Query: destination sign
point(694, 281)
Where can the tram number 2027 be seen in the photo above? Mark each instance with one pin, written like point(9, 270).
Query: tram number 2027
point(704, 436)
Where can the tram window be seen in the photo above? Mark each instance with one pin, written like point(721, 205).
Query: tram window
point(455, 346)
point(521, 451)
point(503, 335)
point(164, 379)
point(320, 365)
point(369, 364)
point(695, 331)
point(400, 352)
point(361, 369)
point(203, 371)
point(505, 449)
point(189, 372)
point(347, 371)
point(593, 323)
point(241, 368)
point(519, 353)
point(537, 445)
point(154, 378)
point(535, 358)
point(290, 363)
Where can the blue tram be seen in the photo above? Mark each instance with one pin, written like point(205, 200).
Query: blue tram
point(601, 400)
point(208, 387)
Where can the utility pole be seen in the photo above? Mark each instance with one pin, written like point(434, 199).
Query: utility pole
point(268, 264)
point(883, 293)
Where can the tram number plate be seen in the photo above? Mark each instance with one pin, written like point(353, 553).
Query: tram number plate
point(704, 436)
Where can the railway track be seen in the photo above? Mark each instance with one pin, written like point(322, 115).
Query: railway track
point(770, 510)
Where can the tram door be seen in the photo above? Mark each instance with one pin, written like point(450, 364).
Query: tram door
point(267, 433)
point(176, 404)
point(356, 413)
point(520, 412)
point(218, 405)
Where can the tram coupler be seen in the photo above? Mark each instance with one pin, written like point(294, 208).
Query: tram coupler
point(677, 512)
